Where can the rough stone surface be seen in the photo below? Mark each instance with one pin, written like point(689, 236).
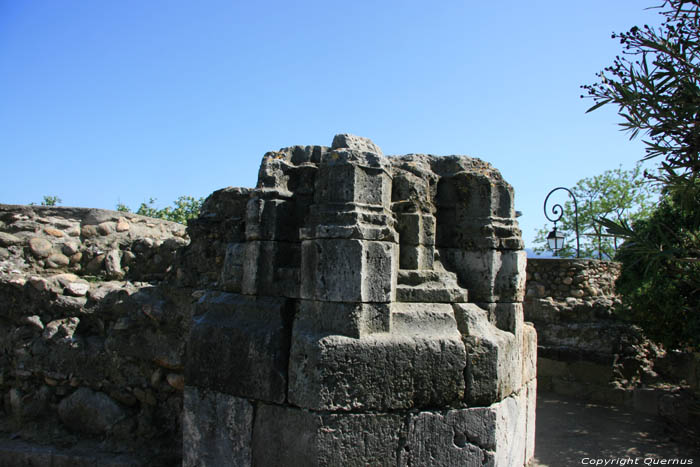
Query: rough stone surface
point(79, 351)
point(217, 429)
point(245, 334)
point(90, 412)
point(336, 300)
point(339, 311)
point(585, 352)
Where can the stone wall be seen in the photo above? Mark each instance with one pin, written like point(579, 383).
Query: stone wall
point(90, 351)
point(365, 310)
point(585, 352)
point(571, 278)
point(351, 309)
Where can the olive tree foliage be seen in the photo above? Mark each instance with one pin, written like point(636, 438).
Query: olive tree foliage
point(655, 84)
point(183, 209)
point(623, 195)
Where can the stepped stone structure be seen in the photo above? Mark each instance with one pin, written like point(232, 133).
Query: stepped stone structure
point(357, 309)
point(352, 309)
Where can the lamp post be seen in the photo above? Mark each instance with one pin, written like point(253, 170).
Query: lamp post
point(555, 239)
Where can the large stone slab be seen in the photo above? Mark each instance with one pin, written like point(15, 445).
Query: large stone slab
point(489, 275)
point(239, 345)
point(346, 319)
point(379, 372)
point(217, 429)
point(494, 359)
point(291, 437)
point(348, 270)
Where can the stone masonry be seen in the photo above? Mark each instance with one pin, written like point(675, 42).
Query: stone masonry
point(92, 338)
point(352, 309)
point(359, 310)
point(586, 351)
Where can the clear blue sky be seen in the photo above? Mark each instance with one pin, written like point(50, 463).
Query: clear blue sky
point(118, 101)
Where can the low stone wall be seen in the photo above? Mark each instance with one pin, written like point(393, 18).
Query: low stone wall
point(88, 349)
point(571, 278)
point(585, 352)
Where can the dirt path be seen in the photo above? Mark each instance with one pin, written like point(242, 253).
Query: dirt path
point(572, 432)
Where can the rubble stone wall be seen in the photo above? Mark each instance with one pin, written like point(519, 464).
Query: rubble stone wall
point(571, 278)
point(91, 340)
point(585, 352)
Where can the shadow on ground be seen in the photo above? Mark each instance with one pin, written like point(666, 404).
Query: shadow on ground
point(572, 432)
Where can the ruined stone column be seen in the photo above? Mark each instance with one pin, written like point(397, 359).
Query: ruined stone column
point(371, 316)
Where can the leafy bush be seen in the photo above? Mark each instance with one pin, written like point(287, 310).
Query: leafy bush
point(660, 278)
point(183, 209)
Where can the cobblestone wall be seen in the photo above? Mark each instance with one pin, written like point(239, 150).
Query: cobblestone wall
point(91, 340)
point(577, 278)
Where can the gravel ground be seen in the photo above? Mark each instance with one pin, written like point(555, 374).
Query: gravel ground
point(572, 432)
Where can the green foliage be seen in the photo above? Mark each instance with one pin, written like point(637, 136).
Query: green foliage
point(623, 195)
point(660, 280)
point(121, 207)
point(183, 209)
point(656, 86)
point(49, 201)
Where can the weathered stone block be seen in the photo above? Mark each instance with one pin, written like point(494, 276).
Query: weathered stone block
point(496, 435)
point(271, 219)
point(455, 437)
point(217, 429)
point(494, 359)
point(290, 437)
point(476, 194)
point(358, 143)
point(416, 229)
point(348, 270)
point(271, 269)
point(505, 316)
point(422, 319)
point(232, 270)
point(347, 319)
point(239, 345)
point(416, 257)
point(529, 353)
point(347, 176)
point(489, 275)
point(388, 371)
point(530, 429)
point(91, 412)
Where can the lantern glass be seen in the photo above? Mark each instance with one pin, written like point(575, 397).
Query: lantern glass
point(555, 240)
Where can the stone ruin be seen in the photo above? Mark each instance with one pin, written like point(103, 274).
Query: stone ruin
point(352, 309)
point(368, 312)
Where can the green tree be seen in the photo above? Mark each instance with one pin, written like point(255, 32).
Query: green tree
point(183, 209)
point(623, 195)
point(660, 279)
point(656, 85)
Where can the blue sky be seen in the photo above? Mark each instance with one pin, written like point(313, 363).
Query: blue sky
point(120, 101)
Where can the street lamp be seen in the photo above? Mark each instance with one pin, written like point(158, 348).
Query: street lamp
point(555, 239)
